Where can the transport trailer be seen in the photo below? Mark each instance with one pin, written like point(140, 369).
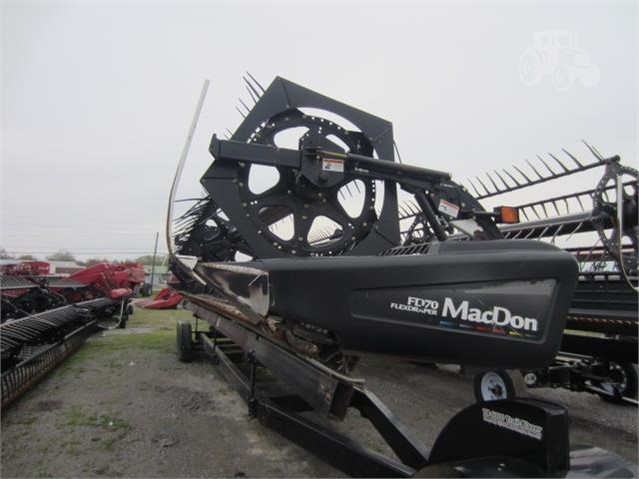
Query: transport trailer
point(504, 438)
point(295, 283)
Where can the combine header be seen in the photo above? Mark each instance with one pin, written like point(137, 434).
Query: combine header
point(44, 319)
point(304, 256)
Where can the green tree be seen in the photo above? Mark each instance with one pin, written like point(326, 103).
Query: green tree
point(27, 257)
point(148, 259)
point(4, 254)
point(94, 261)
point(61, 255)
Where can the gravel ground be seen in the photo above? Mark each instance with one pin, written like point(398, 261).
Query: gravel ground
point(123, 406)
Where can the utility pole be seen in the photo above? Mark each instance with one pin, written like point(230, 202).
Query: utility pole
point(155, 252)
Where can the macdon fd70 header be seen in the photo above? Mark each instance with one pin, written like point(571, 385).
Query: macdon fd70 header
point(333, 290)
point(301, 257)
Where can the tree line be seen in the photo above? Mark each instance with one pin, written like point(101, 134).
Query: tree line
point(66, 255)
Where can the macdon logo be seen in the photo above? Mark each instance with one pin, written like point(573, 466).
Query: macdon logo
point(497, 316)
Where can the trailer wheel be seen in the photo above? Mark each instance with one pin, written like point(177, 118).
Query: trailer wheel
point(623, 376)
point(130, 309)
point(184, 344)
point(499, 384)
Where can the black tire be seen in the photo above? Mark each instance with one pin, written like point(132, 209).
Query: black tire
point(184, 343)
point(130, 309)
point(499, 384)
point(622, 375)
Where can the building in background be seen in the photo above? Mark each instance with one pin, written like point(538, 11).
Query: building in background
point(159, 278)
point(64, 267)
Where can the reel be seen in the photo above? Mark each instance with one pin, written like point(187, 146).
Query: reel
point(312, 207)
point(301, 217)
point(615, 201)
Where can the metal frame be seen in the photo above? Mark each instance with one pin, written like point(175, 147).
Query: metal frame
point(242, 355)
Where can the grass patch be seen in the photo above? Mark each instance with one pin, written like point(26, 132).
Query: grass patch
point(22, 421)
point(160, 338)
point(162, 319)
point(78, 416)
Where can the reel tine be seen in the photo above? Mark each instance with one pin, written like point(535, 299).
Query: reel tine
point(559, 162)
point(523, 211)
point(256, 82)
point(501, 178)
point(399, 157)
point(552, 172)
point(483, 185)
point(535, 170)
point(349, 190)
point(535, 211)
point(554, 203)
point(580, 203)
point(575, 231)
point(543, 207)
point(251, 94)
point(492, 181)
point(240, 112)
point(598, 154)
point(229, 132)
point(593, 151)
point(474, 187)
point(402, 212)
point(579, 164)
point(561, 227)
point(518, 233)
point(543, 232)
point(250, 86)
point(522, 174)
point(248, 110)
point(512, 177)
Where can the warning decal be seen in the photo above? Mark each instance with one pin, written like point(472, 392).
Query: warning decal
point(332, 164)
point(446, 207)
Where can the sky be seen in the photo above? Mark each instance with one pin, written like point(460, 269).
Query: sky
point(97, 97)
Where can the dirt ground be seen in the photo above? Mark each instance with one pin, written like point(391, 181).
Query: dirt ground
point(123, 406)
